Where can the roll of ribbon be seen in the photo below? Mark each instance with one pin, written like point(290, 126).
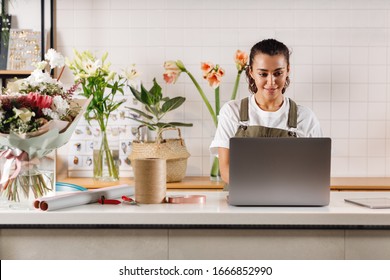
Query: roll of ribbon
point(186, 199)
point(150, 180)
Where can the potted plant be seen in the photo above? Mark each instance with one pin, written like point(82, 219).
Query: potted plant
point(156, 107)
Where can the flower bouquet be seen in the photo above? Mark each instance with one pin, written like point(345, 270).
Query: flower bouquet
point(213, 75)
point(37, 116)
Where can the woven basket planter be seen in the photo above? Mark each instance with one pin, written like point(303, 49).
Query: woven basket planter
point(173, 151)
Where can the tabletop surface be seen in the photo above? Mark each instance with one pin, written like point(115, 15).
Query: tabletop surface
point(216, 211)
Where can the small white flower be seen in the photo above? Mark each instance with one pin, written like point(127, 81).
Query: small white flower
point(50, 113)
point(14, 86)
point(37, 77)
point(60, 105)
point(40, 65)
point(55, 58)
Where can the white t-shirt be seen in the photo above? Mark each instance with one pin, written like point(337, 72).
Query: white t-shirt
point(229, 121)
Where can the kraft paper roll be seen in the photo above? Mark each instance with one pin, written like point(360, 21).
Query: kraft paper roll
point(150, 180)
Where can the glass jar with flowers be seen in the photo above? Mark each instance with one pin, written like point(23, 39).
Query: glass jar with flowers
point(213, 74)
point(37, 115)
point(101, 85)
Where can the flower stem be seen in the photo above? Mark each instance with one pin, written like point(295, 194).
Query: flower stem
point(112, 170)
point(206, 101)
point(217, 101)
point(214, 172)
point(237, 82)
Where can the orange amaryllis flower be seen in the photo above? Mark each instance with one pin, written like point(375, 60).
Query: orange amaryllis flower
point(172, 72)
point(206, 67)
point(170, 77)
point(212, 73)
point(214, 76)
point(241, 59)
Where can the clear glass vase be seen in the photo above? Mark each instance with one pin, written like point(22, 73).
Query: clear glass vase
point(35, 179)
point(106, 158)
point(215, 174)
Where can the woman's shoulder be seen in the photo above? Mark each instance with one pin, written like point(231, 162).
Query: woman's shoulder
point(232, 105)
point(304, 111)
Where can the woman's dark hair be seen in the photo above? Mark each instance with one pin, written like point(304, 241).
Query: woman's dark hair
point(270, 47)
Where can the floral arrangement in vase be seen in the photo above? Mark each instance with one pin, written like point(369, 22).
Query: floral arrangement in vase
point(213, 75)
point(102, 85)
point(37, 116)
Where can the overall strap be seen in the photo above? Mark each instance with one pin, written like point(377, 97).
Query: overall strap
point(244, 109)
point(292, 114)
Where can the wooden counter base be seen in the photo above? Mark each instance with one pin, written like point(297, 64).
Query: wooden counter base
point(337, 183)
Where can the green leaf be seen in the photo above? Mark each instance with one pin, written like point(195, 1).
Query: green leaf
point(181, 124)
point(153, 110)
point(142, 113)
point(172, 124)
point(172, 104)
point(151, 126)
point(162, 125)
point(145, 97)
point(155, 92)
point(136, 93)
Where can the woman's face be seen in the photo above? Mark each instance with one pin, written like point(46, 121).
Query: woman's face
point(270, 74)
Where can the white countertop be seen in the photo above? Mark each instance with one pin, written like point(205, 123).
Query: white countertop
point(215, 212)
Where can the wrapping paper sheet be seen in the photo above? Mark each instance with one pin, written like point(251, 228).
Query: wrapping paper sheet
point(52, 203)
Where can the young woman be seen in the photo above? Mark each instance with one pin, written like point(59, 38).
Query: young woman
point(267, 112)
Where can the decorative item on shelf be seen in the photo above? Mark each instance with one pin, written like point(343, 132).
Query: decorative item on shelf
point(213, 74)
point(173, 150)
point(37, 116)
point(103, 86)
point(24, 49)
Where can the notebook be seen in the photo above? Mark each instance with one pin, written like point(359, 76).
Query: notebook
point(279, 171)
point(373, 202)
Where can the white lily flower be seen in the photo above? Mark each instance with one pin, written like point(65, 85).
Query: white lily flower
point(131, 73)
point(90, 67)
point(24, 114)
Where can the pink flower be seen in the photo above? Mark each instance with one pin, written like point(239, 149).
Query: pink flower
point(172, 72)
point(214, 77)
point(40, 101)
point(206, 67)
point(241, 59)
point(170, 77)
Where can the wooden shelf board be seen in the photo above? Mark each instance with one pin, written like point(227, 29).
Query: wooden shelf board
point(337, 183)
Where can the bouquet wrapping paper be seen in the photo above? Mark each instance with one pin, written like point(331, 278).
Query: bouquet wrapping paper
point(80, 198)
point(27, 161)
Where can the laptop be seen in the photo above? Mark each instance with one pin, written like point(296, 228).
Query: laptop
point(279, 171)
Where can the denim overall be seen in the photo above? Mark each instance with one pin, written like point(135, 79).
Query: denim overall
point(263, 131)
